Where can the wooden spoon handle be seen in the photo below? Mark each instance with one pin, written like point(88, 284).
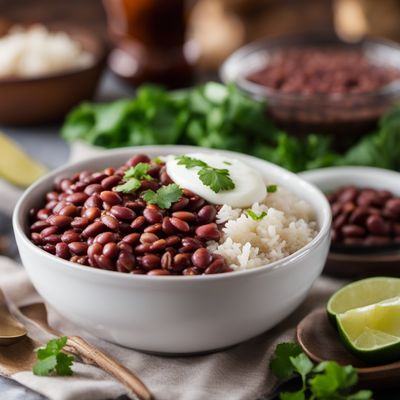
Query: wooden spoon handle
point(118, 371)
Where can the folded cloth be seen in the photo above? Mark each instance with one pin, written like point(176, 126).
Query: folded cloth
point(239, 373)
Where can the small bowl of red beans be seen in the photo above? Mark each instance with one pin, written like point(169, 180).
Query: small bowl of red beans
point(319, 83)
point(365, 231)
point(131, 261)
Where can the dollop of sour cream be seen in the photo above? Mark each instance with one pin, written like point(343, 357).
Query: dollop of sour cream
point(249, 184)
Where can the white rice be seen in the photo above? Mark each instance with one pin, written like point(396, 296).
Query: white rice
point(288, 226)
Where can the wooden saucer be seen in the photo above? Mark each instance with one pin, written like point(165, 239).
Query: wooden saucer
point(320, 341)
point(345, 265)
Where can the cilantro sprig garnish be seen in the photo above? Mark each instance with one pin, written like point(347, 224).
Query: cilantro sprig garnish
point(133, 176)
point(325, 381)
point(52, 361)
point(164, 196)
point(255, 216)
point(217, 179)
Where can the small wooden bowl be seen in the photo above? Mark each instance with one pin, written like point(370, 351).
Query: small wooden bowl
point(48, 98)
point(321, 342)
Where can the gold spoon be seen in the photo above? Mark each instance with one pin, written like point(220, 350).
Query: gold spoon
point(37, 313)
point(11, 330)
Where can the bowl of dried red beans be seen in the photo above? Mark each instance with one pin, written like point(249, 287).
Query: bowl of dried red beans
point(319, 83)
point(122, 250)
point(365, 231)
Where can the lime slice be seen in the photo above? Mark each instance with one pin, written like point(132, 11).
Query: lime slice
point(362, 293)
point(15, 166)
point(372, 332)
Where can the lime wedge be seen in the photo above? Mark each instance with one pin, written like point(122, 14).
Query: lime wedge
point(15, 166)
point(372, 332)
point(362, 293)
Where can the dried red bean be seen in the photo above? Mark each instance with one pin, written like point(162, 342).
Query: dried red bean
point(59, 220)
point(151, 261)
point(110, 197)
point(110, 221)
point(109, 182)
point(95, 248)
point(78, 248)
point(180, 204)
point(125, 247)
point(215, 267)
point(142, 248)
point(158, 272)
point(167, 226)
point(104, 262)
point(182, 226)
point(126, 262)
point(62, 251)
point(352, 231)
point(158, 245)
point(80, 222)
point(166, 260)
point(106, 237)
point(206, 214)
point(77, 198)
point(51, 230)
point(36, 238)
point(181, 261)
point(148, 238)
point(152, 215)
point(191, 243)
point(43, 214)
point(155, 228)
point(91, 213)
point(110, 250)
point(93, 188)
point(70, 236)
point(52, 239)
point(201, 258)
point(124, 213)
point(39, 226)
point(208, 232)
point(50, 248)
point(93, 201)
point(132, 238)
point(172, 240)
point(185, 216)
point(93, 229)
point(195, 204)
point(138, 222)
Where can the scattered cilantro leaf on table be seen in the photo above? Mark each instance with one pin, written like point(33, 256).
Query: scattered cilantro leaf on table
point(326, 381)
point(52, 361)
point(164, 196)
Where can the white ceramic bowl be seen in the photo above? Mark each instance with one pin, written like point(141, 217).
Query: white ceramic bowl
point(174, 314)
point(330, 179)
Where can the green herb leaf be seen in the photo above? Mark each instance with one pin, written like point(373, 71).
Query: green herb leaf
point(272, 188)
point(139, 171)
point(217, 180)
point(51, 360)
point(164, 196)
point(254, 216)
point(281, 364)
point(292, 395)
point(129, 187)
point(360, 395)
point(190, 162)
point(302, 365)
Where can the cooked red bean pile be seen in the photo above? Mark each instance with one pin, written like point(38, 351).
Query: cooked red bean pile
point(312, 71)
point(85, 220)
point(365, 217)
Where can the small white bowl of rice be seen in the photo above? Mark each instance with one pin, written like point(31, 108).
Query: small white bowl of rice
point(275, 248)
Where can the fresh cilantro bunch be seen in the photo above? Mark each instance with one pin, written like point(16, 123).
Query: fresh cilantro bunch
point(164, 196)
point(133, 176)
point(325, 381)
point(52, 361)
point(216, 179)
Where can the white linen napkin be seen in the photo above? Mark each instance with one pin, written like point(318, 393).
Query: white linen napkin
point(239, 373)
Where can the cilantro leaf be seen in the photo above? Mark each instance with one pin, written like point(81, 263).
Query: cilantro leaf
point(280, 364)
point(51, 360)
point(139, 171)
point(254, 216)
point(217, 180)
point(272, 188)
point(302, 365)
point(129, 186)
point(292, 395)
point(190, 162)
point(360, 395)
point(164, 196)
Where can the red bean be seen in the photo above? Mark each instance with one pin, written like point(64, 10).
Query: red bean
point(43, 214)
point(110, 221)
point(109, 197)
point(138, 158)
point(393, 206)
point(151, 261)
point(52, 239)
point(93, 201)
point(93, 229)
point(172, 240)
point(80, 222)
point(181, 261)
point(77, 198)
point(148, 238)
point(215, 267)
point(70, 236)
point(179, 224)
point(180, 204)
point(104, 262)
point(59, 220)
point(93, 188)
point(124, 213)
point(109, 182)
point(353, 231)
point(36, 238)
point(51, 230)
point(191, 243)
point(138, 222)
point(201, 258)
point(50, 248)
point(152, 215)
point(95, 248)
point(106, 237)
point(167, 226)
point(110, 250)
point(39, 226)
point(377, 225)
point(132, 238)
point(158, 245)
point(206, 214)
point(91, 213)
point(208, 232)
point(158, 272)
point(191, 271)
point(62, 250)
point(126, 262)
point(78, 248)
